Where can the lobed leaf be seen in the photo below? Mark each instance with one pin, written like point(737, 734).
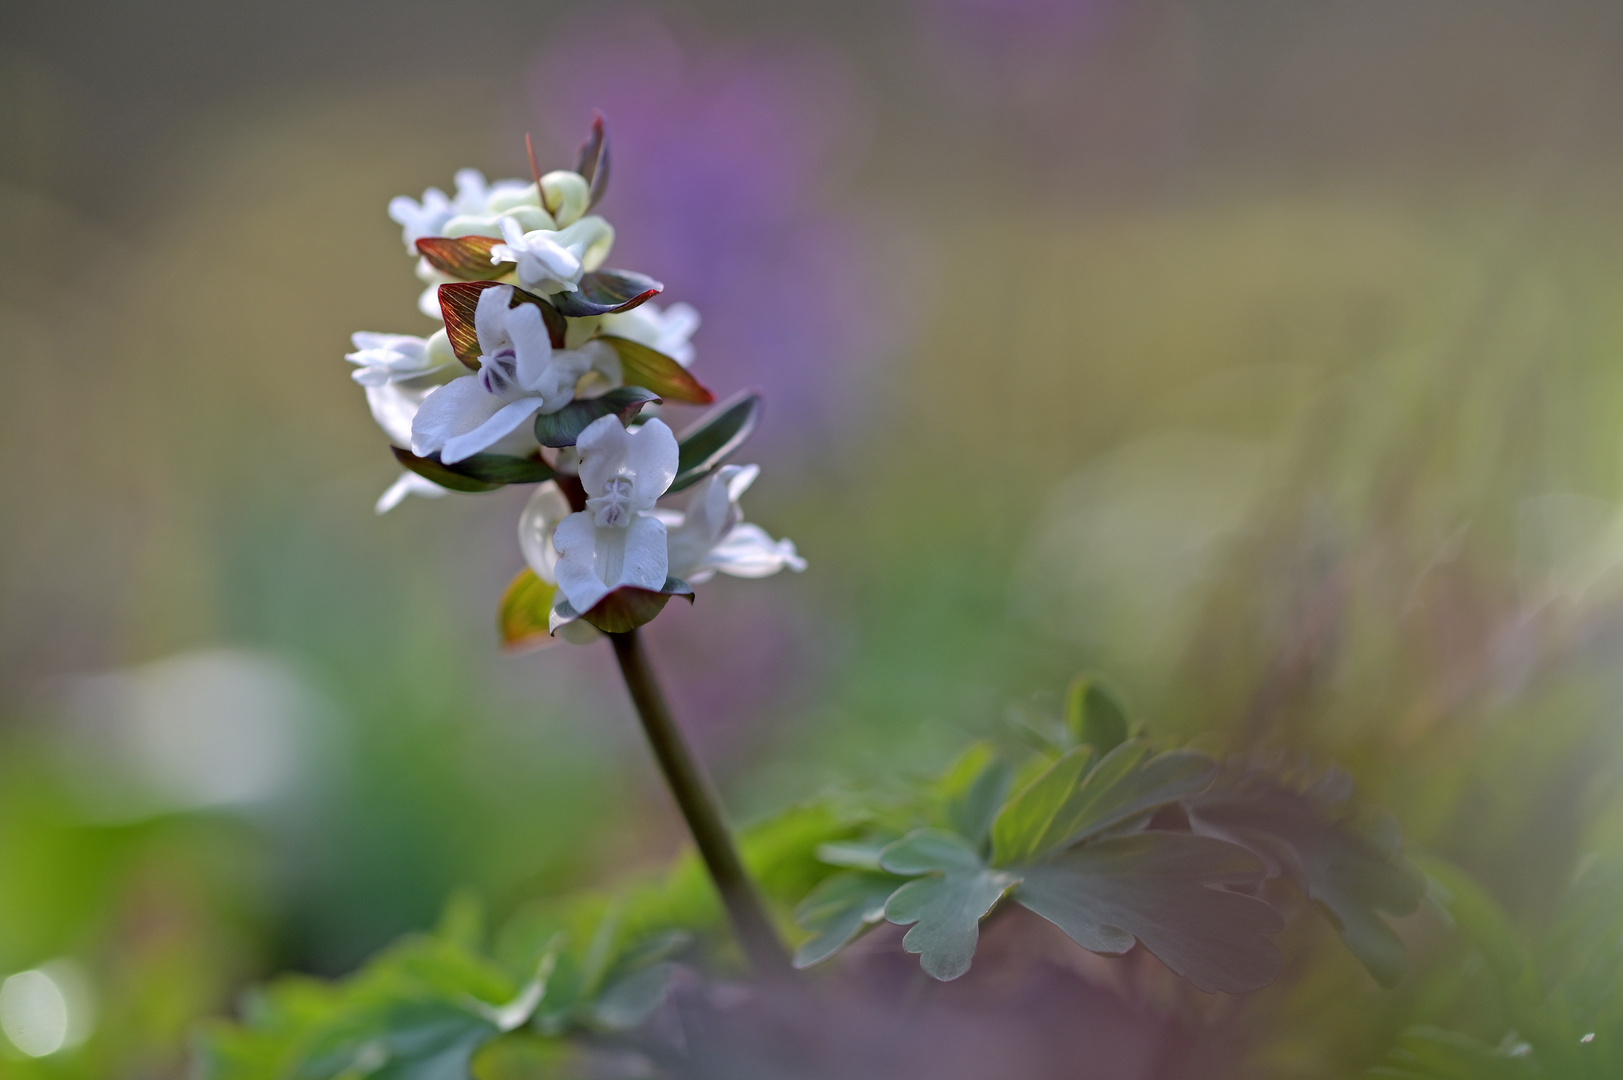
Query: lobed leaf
point(713, 439)
point(642, 366)
point(944, 910)
point(604, 291)
point(460, 299)
point(1056, 809)
point(839, 910)
point(466, 258)
point(1026, 825)
point(1333, 859)
point(525, 608)
point(1155, 887)
point(563, 427)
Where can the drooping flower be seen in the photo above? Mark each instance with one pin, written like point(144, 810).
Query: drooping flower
point(398, 371)
point(667, 331)
point(553, 260)
point(711, 535)
point(520, 374)
point(386, 358)
point(615, 542)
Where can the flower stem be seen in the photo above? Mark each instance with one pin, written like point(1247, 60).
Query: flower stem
point(702, 810)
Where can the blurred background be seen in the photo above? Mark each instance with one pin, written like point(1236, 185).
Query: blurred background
point(1261, 355)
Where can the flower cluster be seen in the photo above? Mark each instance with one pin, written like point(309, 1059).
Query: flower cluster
point(548, 370)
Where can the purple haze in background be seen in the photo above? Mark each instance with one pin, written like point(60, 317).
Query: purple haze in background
point(721, 157)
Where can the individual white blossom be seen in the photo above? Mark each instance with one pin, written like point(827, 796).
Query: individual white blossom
point(386, 358)
point(419, 219)
point(520, 374)
point(665, 330)
point(615, 542)
point(546, 508)
point(712, 535)
point(552, 261)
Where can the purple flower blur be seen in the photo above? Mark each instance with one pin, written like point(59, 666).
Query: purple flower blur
point(721, 157)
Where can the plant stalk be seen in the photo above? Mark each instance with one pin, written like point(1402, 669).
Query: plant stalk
point(702, 810)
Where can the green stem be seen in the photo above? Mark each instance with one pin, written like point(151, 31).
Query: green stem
point(702, 810)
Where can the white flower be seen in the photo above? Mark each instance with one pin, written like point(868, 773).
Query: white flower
point(552, 261)
point(475, 211)
point(615, 541)
point(712, 535)
point(409, 483)
point(664, 331)
point(419, 219)
point(546, 508)
point(386, 358)
point(520, 374)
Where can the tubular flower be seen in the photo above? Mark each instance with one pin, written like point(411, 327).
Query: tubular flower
point(666, 331)
point(615, 542)
point(712, 535)
point(520, 374)
point(387, 358)
point(552, 261)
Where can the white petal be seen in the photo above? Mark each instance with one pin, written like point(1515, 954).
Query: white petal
point(532, 345)
point(748, 552)
point(576, 568)
point(651, 456)
point(394, 406)
point(508, 420)
point(490, 319)
point(546, 508)
point(428, 302)
point(646, 564)
point(602, 447)
point(460, 419)
point(738, 479)
point(408, 484)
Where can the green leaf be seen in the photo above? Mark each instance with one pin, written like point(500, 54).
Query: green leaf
point(712, 440)
point(431, 469)
point(840, 909)
point(481, 472)
point(945, 909)
point(972, 812)
point(1333, 858)
point(642, 366)
point(525, 609)
point(466, 258)
point(1155, 887)
point(563, 427)
point(1026, 826)
point(628, 607)
point(1094, 715)
point(418, 1011)
point(460, 300)
point(1128, 783)
point(604, 291)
